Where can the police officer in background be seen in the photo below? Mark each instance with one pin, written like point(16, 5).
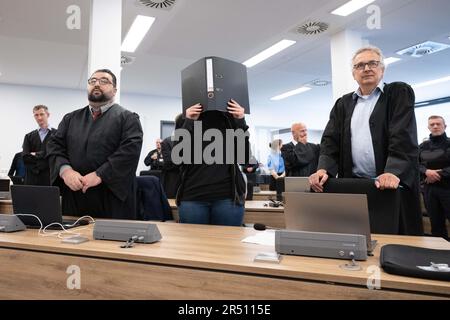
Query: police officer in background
point(435, 170)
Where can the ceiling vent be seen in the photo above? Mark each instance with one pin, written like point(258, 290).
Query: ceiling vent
point(312, 28)
point(320, 83)
point(126, 60)
point(158, 4)
point(422, 49)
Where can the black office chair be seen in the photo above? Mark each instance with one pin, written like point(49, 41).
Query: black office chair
point(152, 203)
point(384, 206)
point(155, 173)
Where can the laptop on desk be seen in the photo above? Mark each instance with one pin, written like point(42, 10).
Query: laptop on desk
point(41, 201)
point(328, 212)
point(4, 189)
point(297, 184)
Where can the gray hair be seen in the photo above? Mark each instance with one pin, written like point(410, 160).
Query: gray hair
point(373, 49)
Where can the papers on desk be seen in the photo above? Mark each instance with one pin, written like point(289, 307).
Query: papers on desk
point(266, 238)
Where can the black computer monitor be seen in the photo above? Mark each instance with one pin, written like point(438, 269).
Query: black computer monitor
point(384, 205)
point(41, 201)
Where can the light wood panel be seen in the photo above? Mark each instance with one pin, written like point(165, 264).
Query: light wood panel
point(109, 279)
point(6, 206)
point(264, 195)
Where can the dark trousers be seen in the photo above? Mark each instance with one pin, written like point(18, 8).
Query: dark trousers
point(437, 200)
point(278, 186)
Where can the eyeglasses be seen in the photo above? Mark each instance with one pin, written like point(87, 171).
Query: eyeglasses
point(101, 81)
point(371, 64)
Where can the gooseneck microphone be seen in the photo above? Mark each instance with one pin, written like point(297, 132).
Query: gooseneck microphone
point(262, 227)
point(259, 226)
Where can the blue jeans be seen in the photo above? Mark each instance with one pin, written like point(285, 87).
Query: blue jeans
point(219, 212)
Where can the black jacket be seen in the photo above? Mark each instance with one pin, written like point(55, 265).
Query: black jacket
point(209, 182)
point(37, 167)
point(435, 154)
point(301, 159)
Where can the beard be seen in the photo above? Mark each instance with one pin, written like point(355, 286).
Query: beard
point(97, 98)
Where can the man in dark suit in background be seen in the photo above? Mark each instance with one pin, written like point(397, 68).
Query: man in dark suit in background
point(372, 134)
point(300, 157)
point(34, 149)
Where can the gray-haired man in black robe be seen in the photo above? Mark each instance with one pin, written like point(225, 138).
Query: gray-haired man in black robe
point(94, 155)
point(372, 134)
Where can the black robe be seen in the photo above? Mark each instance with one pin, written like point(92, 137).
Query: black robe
point(394, 137)
point(111, 147)
point(37, 170)
point(301, 159)
point(170, 177)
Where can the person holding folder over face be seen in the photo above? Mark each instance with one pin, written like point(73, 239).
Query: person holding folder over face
point(213, 193)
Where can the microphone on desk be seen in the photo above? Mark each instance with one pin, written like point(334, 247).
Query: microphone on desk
point(262, 227)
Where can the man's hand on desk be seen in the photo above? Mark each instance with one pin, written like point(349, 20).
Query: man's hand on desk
point(387, 181)
point(90, 180)
point(72, 179)
point(318, 179)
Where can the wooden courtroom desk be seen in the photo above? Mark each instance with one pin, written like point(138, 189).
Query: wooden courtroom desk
point(265, 195)
point(255, 212)
point(193, 262)
point(6, 206)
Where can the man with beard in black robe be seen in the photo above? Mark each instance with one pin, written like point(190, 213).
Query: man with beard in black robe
point(372, 134)
point(94, 155)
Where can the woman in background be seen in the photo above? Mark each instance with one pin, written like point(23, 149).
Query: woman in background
point(275, 164)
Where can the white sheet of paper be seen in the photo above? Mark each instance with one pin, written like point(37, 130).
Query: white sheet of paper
point(266, 238)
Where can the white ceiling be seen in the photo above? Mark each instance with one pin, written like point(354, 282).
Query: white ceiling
point(36, 48)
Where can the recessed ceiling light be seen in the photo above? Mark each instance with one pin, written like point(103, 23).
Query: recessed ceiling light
point(290, 93)
point(391, 60)
point(137, 32)
point(276, 48)
point(431, 82)
point(350, 7)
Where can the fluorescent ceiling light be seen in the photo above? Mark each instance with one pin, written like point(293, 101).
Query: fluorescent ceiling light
point(137, 32)
point(350, 7)
point(430, 83)
point(290, 93)
point(391, 60)
point(280, 46)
